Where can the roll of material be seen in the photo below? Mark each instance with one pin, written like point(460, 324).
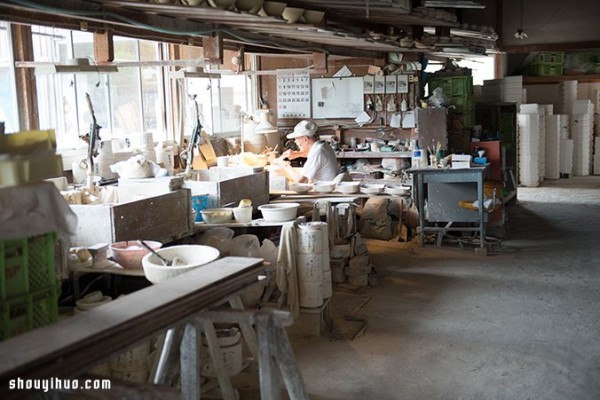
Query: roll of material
point(310, 238)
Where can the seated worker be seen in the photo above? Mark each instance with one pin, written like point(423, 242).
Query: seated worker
point(321, 164)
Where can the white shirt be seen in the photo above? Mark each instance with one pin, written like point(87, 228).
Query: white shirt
point(321, 164)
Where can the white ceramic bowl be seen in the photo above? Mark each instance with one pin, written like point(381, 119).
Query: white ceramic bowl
point(371, 188)
point(397, 190)
point(324, 187)
point(313, 17)
point(193, 256)
point(300, 188)
point(292, 14)
point(251, 6)
point(221, 3)
point(279, 212)
point(348, 187)
point(273, 8)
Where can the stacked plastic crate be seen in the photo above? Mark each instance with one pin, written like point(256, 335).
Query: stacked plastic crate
point(459, 91)
point(547, 64)
point(29, 288)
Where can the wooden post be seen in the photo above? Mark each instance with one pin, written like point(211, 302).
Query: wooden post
point(27, 93)
point(213, 48)
point(104, 48)
point(190, 362)
point(320, 61)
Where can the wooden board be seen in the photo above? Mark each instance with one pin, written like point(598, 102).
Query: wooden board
point(68, 347)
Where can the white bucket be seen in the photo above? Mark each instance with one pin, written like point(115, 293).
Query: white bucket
point(309, 239)
point(231, 349)
point(310, 267)
point(311, 293)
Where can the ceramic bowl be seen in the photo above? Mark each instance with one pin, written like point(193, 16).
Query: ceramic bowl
point(279, 212)
point(348, 187)
point(397, 190)
point(273, 8)
point(193, 256)
point(300, 188)
point(371, 188)
point(250, 6)
point(324, 187)
point(129, 254)
point(221, 3)
point(217, 215)
point(313, 17)
point(292, 14)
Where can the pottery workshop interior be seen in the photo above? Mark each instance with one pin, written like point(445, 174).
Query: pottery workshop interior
point(299, 199)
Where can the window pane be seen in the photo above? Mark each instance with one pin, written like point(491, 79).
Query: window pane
point(152, 92)
point(8, 99)
point(126, 107)
point(233, 95)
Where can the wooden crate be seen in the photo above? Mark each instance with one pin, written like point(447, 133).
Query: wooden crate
point(224, 189)
point(164, 218)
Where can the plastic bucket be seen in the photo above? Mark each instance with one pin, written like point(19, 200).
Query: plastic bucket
point(199, 203)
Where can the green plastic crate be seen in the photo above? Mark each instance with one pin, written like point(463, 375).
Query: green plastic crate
point(550, 58)
point(28, 312)
point(546, 69)
point(27, 265)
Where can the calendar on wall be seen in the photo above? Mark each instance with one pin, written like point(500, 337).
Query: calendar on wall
point(293, 96)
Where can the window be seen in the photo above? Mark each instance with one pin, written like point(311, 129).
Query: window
point(125, 104)
point(221, 103)
point(8, 93)
point(135, 100)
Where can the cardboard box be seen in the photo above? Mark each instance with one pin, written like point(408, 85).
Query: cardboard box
point(164, 218)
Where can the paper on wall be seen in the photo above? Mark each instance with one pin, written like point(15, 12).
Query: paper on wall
point(408, 119)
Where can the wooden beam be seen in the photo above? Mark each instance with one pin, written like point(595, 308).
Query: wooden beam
point(104, 48)
point(67, 347)
point(27, 93)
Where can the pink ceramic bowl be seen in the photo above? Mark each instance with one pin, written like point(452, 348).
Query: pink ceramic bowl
point(129, 253)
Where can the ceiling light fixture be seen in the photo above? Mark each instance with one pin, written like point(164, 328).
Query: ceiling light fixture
point(520, 33)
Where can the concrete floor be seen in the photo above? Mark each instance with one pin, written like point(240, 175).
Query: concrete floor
point(522, 323)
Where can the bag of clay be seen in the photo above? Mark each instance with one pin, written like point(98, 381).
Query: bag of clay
point(219, 238)
point(245, 246)
point(437, 99)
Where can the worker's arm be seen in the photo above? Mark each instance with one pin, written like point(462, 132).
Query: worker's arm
point(293, 154)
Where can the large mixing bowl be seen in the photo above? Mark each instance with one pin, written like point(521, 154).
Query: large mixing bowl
point(192, 256)
point(217, 215)
point(279, 212)
point(129, 254)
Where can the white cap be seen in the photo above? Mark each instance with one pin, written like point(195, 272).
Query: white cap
point(303, 128)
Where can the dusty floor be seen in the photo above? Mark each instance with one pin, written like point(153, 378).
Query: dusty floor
point(522, 323)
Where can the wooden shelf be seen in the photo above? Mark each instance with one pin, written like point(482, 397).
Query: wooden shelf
point(541, 80)
point(374, 154)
